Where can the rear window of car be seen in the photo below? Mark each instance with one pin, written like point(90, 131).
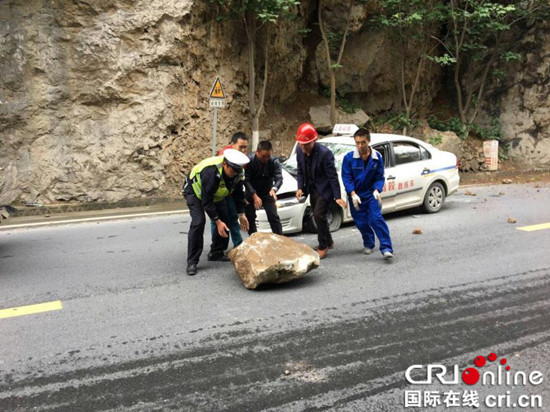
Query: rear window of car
point(406, 152)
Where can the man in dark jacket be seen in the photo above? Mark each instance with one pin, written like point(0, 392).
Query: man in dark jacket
point(205, 190)
point(317, 176)
point(264, 177)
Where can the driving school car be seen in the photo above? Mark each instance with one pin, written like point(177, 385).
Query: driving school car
point(417, 174)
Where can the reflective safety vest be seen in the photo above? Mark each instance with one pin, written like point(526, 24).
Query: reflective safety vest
point(195, 177)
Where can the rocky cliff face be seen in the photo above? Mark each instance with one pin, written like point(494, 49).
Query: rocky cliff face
point(103, 100)
point(522, 104)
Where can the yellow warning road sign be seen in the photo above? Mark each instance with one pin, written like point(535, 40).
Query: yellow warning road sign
point(217, 90)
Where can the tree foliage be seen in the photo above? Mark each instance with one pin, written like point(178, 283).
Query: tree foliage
point(334, 42)
point(474, 45)
point(257, 16)
point(411, 25)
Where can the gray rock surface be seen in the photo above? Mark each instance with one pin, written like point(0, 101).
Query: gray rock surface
point(107, 101)
point(270, 258)
point(525, 107)
point(320, 117)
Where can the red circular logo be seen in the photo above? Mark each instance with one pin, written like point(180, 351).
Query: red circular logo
point(479, 361)
point(470, 376)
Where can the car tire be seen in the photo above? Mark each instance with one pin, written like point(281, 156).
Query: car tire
point(434, 198)
point(334, 217)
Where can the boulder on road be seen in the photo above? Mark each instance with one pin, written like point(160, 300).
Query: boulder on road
point(271, 258)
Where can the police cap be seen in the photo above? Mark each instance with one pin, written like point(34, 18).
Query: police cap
point(235, 159)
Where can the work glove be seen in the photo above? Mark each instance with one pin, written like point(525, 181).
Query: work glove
point(377, 196)
point(356, 201)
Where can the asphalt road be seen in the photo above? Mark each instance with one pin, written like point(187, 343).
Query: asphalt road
point(135, 333)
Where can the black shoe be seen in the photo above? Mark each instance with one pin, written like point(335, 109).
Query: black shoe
point(191, 269)
point(217, 258)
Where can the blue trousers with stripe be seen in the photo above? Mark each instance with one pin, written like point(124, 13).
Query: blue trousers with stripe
point(369, 221)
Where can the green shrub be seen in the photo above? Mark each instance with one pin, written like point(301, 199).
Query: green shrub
point(436, 140)
point(453, 124)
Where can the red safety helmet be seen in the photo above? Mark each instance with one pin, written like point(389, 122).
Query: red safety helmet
point(306, 133)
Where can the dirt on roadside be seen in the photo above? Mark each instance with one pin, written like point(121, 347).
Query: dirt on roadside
point(509, 171)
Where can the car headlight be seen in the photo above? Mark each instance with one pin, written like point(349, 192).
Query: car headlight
point(291, 201)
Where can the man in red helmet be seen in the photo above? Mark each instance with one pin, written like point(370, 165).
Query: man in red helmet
point(317, 177)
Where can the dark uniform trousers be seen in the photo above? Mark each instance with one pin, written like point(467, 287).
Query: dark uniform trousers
point(272, 216)
point(195, 238)
point(320, 208)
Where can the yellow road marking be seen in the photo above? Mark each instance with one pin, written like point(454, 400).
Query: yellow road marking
point(535, 227)
point(30, 309)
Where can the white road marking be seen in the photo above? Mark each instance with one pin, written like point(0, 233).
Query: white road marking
point(93, 219)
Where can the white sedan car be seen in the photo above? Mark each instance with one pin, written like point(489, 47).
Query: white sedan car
point(417, 174)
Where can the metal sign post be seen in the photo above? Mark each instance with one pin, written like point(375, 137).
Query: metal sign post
point(215, 127)
point(217, 99)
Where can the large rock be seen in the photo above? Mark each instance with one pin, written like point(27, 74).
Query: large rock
point(447, 141)
point(320, 117)
point(270, 258)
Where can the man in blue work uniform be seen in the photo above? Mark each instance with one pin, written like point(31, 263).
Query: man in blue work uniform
point(363, 177)
point(317, 177)
point(205, 190)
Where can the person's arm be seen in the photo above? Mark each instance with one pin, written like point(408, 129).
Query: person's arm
point(278, 175)
point(250, 191)
point(210, 182)
point(238, 196)
point(379, 178)
point(251, 171)
point(347, 175)
point(332, 175)
point(300, 174)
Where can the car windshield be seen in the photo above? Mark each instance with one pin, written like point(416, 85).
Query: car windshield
point(338, 149)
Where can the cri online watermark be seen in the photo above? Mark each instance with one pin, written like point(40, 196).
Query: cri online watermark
point(502, 377)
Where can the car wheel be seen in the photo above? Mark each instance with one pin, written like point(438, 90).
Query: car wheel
point(334, 217)
point(435, 198)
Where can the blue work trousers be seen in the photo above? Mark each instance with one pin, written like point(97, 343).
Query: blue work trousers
point(232, 223)
point(369, 221)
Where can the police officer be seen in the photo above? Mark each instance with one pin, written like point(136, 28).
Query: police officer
point(317, 176)
point(363, 177)
point(264, 176)
point(206, 188)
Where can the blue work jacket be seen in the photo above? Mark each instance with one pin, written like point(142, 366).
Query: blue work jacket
point(361, 178)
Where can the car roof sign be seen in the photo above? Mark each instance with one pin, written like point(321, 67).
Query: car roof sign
point(347, 129)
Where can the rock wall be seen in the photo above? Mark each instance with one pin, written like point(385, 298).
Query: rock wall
point(370, 73)
point(103, 100)
point(522, 104)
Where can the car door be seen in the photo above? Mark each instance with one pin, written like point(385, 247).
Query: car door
point(411, 162)
point(389, 193)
